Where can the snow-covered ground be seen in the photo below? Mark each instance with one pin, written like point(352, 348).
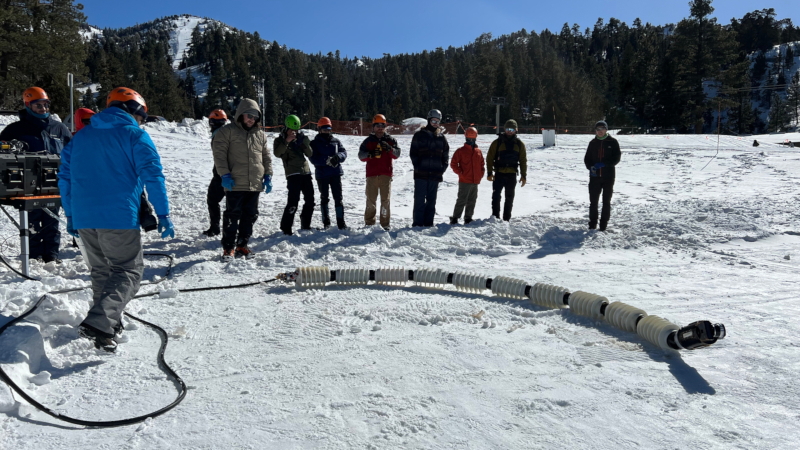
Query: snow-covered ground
point(275, 366)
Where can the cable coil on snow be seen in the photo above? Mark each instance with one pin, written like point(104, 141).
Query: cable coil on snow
point(586, 304)
point(656, 330)
point(548, 295)
point(509, 287)
point(432, 278)
point(623, 316)
point(315, 276)
point(352, 276)
point(391, 276)
point(469, 282)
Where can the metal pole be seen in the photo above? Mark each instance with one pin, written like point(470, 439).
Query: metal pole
point(71, 83)
point(497, 119)
point(24, 242)
point(323, 96)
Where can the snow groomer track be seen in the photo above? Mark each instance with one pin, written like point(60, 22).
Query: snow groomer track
point(654, 329)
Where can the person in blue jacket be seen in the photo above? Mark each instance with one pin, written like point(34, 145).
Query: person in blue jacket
point(103, 171)
point(40, 132)
point(327, 157)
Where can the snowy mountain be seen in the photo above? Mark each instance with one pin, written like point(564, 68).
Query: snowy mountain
point(776, 63)
point(387, 367)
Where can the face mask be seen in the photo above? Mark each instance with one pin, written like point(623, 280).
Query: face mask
point(37, 115)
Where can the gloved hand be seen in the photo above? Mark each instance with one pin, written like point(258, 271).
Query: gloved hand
point(227, 181)
point(375, 152)
point(599, 165)
point(593, 172)
point(267, 183)
point(71, 228)
point(522, 182)
point(490, 177)
point(333, 161)
point(165, 227)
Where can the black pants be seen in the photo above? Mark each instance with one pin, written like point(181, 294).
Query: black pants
point(507, 181)
point(596, 186)
point(45, 238)
point(326, 186)
point(298, 184)
point(241, 212)
point(425, 193)
point(215, 195)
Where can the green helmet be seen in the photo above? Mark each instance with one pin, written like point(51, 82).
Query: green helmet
point(293, 122)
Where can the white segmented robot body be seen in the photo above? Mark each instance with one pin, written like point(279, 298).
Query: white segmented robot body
point(509, 287)
point(308, 277)
point(548, 295)
point(469, 282)
point(656, 330)
point(392, 276)
point(623, 316)
point(352, 276)
point(434, 278)
point(586, 304)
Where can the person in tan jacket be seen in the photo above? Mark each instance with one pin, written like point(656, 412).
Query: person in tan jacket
point(242, 160)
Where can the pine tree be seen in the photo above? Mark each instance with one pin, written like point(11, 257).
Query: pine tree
point(793, 98)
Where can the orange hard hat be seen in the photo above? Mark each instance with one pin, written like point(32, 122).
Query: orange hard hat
point(324, 122)
point(379, 118)
point(80, 115)
point(218, 114)
point(471, 133)
point(123, 95)
point(32, 94)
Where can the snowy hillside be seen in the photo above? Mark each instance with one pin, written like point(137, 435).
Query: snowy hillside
point(775, 58)
point(379, 367)
point(181, 36)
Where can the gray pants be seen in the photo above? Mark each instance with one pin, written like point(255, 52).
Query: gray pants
point(467, 196)
point(117, 268)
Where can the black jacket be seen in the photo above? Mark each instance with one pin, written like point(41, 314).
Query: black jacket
point(40, 134)
point(606, 151)
point(430, 154)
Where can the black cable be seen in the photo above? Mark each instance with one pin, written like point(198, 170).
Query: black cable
point(11, 218)
point(107, 423)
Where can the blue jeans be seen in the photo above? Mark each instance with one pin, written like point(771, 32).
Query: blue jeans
point(424, 202)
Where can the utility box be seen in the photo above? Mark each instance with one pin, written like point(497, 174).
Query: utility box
point(549, 138)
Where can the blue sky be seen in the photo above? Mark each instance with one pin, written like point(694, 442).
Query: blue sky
point(373, 28)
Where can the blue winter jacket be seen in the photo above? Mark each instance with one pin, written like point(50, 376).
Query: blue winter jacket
point(103, 171)
point(323, 149)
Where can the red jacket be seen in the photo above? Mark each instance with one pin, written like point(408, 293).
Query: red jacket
point(382, 165)
point(468, 163)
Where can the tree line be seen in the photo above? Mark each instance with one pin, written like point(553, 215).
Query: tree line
point(670, 77)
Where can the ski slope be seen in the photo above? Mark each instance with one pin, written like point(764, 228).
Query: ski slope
point(376, 367)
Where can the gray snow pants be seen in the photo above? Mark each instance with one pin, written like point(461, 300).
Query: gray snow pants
point(467, 196)
point(117, 268)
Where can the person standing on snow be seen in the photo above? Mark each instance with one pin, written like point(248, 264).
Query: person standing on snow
point(601, 156)
point(294, 147)
point(506, 154)
point(242, 160)
point(216, 193)
point(327, 157)
point(469, 165)
point(379, 150)
point(430, 154)
point(103, 171)
point(42, 133)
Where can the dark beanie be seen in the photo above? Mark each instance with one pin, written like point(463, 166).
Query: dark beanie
point(511, 123)
point(601, 123)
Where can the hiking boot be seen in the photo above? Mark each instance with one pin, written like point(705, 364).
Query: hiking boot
point(326, 224)
point(227, 255)
point(211, 232)
point(453, 221)
point(603, 226)
point(101, 340)
point(48, 259)
point(244, 252)
point(287, 231)
point(466, 221)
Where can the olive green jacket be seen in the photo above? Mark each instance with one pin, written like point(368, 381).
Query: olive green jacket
point(294, 154)
point(498, 161)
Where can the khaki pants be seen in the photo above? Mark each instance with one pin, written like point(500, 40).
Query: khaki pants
point(467, 196)
point(379, 184)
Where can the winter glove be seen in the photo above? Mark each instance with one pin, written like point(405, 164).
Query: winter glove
point(227, 182)
point(375, 152)
point(333, 161)
point(71, 228)
point(599, 165)
point(165, 227)
point(522, 182)
point(490, 177)
point(267, 183)
point(593, 172)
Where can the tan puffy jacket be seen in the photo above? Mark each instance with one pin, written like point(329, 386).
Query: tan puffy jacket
point(243, 154)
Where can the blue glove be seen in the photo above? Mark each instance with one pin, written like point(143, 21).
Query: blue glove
point(267, 183)
point(165, 227)
point(227, 181)
point(71, 228)
point(599, 165)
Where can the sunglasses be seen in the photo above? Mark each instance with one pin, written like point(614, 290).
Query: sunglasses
point(250, 117)
point(511, 130)
point(325, 129)
point(380, 125)
point(41, 104)
point(435, 121)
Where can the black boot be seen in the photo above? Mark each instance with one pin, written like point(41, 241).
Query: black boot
point(212, 231)
point(466, 221)
point(340, 217)
point(453, 221)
